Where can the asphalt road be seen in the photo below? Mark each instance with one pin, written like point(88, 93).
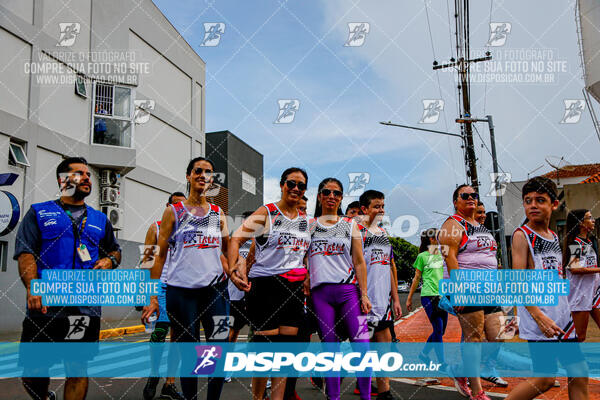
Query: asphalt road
point(130, 389)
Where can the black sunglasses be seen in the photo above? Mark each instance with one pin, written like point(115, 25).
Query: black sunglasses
point(327, 192)
point(200, 171)
point(465, 196)
point(293, 184)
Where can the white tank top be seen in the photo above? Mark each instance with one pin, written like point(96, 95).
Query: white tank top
point(195, 260)
point(477, 249)
point(286, 243)
point(377, 251)
point(546, 254)
point(329, 257)
point(582, 286)
point(235, 293)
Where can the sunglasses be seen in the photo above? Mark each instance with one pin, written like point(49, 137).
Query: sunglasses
point(327, 192)
point(466, 196)
point(292, 184)
point(200, 171)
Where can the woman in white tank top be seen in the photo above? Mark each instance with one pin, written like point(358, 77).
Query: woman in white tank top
point(274, 298)
point(196, 233)
point(466, 244)
point(580, 260)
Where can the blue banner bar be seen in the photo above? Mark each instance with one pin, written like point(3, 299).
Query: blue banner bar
point(297, 359)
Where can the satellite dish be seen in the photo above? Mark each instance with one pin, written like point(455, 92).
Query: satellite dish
point(559, 164)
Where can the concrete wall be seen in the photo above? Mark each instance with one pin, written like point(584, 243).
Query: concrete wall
point(583, 196)
point(14, 90)
point(52, 121)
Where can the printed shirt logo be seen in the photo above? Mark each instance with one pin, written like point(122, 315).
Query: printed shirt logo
point(50, 222)
point(379, 256)
point(200, 240)
point(77, 326)
point(486, 242)
point(551, 262)
point(323, 247)
point(207, 356)
point(290, 242)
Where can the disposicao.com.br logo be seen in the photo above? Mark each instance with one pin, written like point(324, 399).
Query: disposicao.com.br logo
point(350, 362)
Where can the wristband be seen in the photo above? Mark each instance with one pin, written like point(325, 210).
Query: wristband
point(114, 262)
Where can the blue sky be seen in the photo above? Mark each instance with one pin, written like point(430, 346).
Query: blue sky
point(294, 50)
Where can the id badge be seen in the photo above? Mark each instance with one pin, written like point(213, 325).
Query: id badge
point(83, 253)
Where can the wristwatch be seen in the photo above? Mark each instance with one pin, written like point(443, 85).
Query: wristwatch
point(114, 261)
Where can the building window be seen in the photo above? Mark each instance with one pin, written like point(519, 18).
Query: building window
point(113, 115)
point(17, 155)
point(248, 182)
point(3, 255)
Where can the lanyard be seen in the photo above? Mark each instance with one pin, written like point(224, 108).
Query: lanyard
point(76, 229)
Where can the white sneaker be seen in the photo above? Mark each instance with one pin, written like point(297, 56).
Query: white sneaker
point(496, 380)
point(269, 384)
point(228, 379)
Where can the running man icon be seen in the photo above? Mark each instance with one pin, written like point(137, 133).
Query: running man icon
point(207, 356)
point(77, 326)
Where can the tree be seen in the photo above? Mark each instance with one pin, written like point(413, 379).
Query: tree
point(405, 254)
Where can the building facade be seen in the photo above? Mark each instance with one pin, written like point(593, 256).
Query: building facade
point(113, 82)
point(239, 169)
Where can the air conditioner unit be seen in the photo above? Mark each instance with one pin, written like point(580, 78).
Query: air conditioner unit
point(115, 216)
point(108, 177)
point(109, 195)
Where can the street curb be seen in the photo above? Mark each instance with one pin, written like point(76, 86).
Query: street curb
point(127, 330)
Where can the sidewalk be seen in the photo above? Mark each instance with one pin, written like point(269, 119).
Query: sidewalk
point(108, 329)
point(416, 328)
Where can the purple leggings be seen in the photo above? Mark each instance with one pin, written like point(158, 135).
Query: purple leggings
point(337, 305)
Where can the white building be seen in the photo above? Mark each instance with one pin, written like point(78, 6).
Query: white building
point(120, 52)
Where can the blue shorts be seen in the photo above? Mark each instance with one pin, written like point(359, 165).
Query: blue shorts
point(162, 304)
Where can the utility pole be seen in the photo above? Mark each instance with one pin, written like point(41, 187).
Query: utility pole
point(461, 16)
point(497, 184)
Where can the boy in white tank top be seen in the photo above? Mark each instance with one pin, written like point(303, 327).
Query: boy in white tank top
point(382, 277)
point(535, 246)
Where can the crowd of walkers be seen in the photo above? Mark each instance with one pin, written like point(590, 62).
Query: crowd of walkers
point(288, 276)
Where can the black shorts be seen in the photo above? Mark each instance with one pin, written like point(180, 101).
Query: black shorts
point(273, 301)
point(546, 362)
point(75, 328)
point(381, 325)
point(239, 313)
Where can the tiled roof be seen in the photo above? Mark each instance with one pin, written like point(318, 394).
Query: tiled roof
point(592, 179)
point(574, 171)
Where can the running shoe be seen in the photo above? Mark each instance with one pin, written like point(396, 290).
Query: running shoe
point(227, 379)
point(385, 396)
point(269, 384)
point(169, 391)
point(51, 395)
point(150, 388)
point(496, 380)
point(481, 396)
point(556, 383)
point(373, 390)
point(317, 382)
point(462, 385)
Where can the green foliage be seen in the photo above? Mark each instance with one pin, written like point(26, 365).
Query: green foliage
point(405, 254)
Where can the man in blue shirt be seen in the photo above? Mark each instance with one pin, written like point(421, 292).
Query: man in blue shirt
point(62, 234)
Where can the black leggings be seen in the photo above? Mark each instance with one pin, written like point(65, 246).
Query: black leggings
point(187, 308)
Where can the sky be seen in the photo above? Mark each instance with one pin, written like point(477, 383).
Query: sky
point(291, 50)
